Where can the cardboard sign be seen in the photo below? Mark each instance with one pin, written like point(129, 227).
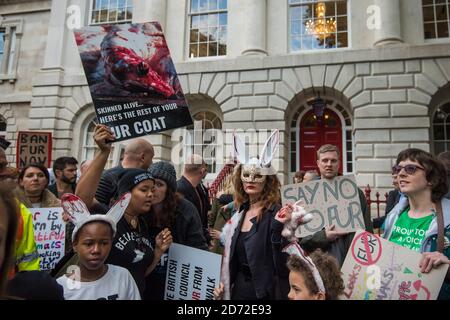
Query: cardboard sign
point(192, 274)
point(377, 269)
point(132, 79)
point(34, 147)
point(331, 202)
point(49, 235)
point(4, 144)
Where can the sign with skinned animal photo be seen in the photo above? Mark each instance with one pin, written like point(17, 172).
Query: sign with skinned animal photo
point(192, 274)
point(132, 79)
point(377, 269)
point(329, 201)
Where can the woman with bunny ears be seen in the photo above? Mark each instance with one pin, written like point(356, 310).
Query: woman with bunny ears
point(250, 267)
point(131, 246)
point(92, 240)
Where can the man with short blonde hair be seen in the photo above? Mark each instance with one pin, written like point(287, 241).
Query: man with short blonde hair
point(334, 241)
point(327, 148)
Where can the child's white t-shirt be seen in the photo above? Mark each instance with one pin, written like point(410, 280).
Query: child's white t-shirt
point(116, 284)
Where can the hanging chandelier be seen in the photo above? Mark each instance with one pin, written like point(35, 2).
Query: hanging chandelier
point(321, 27)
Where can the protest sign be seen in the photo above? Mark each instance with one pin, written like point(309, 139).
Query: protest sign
point(49, 235)
point(192, 274)
point(377, 269)
point(34, 147)
point(4, 144)
point(330, 201)
point(132, 79)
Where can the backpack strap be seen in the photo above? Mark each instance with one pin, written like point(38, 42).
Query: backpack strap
point(440, 225)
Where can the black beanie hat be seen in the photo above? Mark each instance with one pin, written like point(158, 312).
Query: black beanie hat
point(164, 170)
point(131, 178)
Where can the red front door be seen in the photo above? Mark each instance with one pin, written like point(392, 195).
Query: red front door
point(314, 133)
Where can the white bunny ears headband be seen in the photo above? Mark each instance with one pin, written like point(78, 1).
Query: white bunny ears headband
point(294, 249)
point(79, 214)
point(254, 169)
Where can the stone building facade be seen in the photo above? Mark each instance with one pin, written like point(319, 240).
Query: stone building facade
point(384, 88)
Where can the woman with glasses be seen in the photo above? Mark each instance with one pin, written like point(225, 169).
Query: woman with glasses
point(414, 222)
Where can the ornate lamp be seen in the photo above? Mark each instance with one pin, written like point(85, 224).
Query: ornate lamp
point(321, 27)
point(318, 106)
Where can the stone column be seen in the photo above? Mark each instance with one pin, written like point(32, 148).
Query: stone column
point(56, 37)
point(390, 31)
point(254, 27)
point(149, 11)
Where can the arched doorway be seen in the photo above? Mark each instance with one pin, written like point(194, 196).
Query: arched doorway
point(336, 128)
point(440, 120)
point(315, 132)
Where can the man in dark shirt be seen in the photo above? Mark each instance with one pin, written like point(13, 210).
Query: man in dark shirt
point(190, 186)
point(138, 154)
point(65, 171)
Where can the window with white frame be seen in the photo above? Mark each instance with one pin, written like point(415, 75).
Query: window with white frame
point(436, 21)
point(208, 28)
point(441, 129)
point(111, 11)
point(89, 146)
point(10, 34)
point(200, 139)
point(317, 24)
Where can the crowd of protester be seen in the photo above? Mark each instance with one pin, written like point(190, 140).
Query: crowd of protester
point(121, 252)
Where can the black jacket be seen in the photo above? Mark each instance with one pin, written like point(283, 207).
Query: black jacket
point(263, 249)
point(108, 185)
point(187, 228)
point(392, 199)
point(54, 189)
point(188, 191)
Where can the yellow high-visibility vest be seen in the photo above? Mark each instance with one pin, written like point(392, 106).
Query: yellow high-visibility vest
point(27, 256)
